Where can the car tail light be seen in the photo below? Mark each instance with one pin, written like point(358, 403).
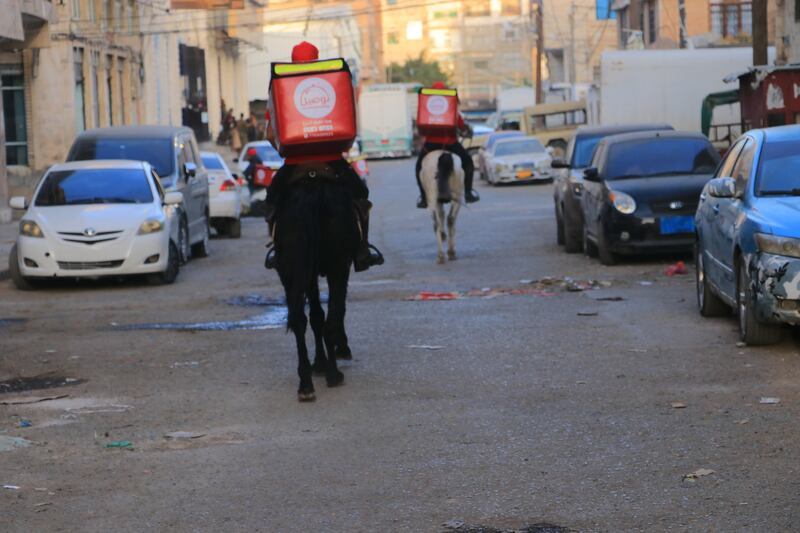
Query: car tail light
point(241, 182)
point(227, 185)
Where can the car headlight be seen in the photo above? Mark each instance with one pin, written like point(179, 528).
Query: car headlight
point(771, 244)
point(623, 203)
point(29, 228)
point(151, 225)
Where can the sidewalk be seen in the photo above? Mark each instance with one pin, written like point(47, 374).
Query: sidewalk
point(8, 234)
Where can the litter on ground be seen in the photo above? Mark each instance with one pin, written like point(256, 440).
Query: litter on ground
point(424, 347)
point(678, 269)
point(769, 400)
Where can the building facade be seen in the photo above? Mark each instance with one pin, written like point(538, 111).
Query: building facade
point(102, 63)
point(787, 32)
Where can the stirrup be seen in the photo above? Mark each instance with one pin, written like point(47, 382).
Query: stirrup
point(375, 256)
point(422, 203)
point(270, 261)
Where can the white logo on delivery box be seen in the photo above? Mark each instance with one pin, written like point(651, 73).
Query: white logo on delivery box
point(437, 105)
point(314, 98)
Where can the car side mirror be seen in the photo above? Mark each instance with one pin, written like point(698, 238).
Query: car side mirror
point(18, 202)
point(559, 162)
point(591, 174)
point(235, 159)
point(189, 170)
point(173, 198)
point(722, 187)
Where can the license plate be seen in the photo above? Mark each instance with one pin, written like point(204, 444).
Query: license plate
point(677, 224)
point(523, 174)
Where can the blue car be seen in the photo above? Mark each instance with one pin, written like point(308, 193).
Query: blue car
point(748, 235)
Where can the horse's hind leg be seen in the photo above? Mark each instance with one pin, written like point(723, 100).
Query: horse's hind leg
point(438, 227)
point(298, 324)
point(317, 316)
point(451, 230)
point(343, 345)
point(334, 325)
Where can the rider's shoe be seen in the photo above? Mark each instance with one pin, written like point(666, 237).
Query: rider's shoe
point(472, 196)
point(271, 261)
point(367, 256)
point(422, 203)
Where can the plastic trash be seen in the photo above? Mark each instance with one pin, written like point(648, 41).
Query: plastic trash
point(120, 444)
point(678, 268)
point(25, 423)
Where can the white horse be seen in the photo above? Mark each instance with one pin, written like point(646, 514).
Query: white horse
point(443, 182)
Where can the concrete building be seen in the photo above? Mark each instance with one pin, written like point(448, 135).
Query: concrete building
point(115, 62)
point(787, 31)
point(687, 23)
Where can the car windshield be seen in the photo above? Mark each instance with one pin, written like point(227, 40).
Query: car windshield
point(529, 146)
point(778, 169)
point(500, 136)
point(157, 152)
point(212, 162)
point(266, 152)
point(660, 156)
point(95, 186)
point(584, 149)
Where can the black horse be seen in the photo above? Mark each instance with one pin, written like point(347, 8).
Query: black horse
point(316, 235)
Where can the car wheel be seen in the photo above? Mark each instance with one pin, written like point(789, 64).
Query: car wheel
point(184, 248)
point(234, 229)
point(589, 248)
point(201, 248)
point(559, 228)
point(751, 331)
point(20, 282)
point(604, 253)
point(708, 303)
point(167, 277)
point(573, 234)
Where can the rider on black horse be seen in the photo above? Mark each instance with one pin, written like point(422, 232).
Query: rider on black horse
point(449, 142)
point(333, 163)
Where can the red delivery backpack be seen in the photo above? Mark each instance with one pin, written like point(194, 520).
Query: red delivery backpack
point(437, 111)
point(312, 107)
point(262, 177)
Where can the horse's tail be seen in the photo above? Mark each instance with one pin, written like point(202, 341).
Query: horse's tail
point(444, 169)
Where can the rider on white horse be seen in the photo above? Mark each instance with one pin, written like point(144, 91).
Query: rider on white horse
point(448, 141)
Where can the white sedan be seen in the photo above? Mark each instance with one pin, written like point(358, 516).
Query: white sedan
point(517, 160)
point(97, 218)
point(224, 196)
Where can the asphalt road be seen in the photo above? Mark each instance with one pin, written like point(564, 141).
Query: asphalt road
point(526, 413)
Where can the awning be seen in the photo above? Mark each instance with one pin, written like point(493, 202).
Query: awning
point(710, 102)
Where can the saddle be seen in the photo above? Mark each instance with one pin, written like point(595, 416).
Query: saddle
point(314, 170)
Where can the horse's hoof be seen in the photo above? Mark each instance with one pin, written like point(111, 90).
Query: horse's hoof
point(334, 379)
point(320, 367)
point(344, 354)
point(307, 396)
point(452, 256)
point(440, 260)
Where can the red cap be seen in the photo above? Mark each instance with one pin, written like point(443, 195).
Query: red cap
point(266, 115)
point(439, 85)
point(251, 152)
point(304, 52)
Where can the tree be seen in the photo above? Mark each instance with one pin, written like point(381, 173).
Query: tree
point(418, 70)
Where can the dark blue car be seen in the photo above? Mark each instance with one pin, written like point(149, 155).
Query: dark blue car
point(748, 235)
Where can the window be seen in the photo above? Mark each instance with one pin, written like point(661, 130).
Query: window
point(510, 7)
point(481, 64)
point(157, 152)
point(730, 18)
point(80, 106)
point(797, 10)
point(391, 2)
point(741, 171)
point(96, 89)
point(414, 30)
point(478, 9)
point(90, 9)
point(604, 11)
point(93, 186)
point(391, 37)
point(117, 15)
point(120, 78)
point(104, 13)
point(12, 87)
point(652, 29)
point(131, 13)
point(660, 157)
point(109, 90)
point(76, 9)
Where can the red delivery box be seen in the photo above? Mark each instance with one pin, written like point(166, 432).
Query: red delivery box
point(262, 177)
point(437, 111)
point(312, 107)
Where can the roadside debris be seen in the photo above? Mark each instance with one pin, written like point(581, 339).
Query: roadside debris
point(93, 409)
point(588, 313)
point(43, 381)
point(743, 421)
point(637, 350)
point(697, 474)
point(43, 504)
point(424, 347)
point(123, 444)
point(184, 435)
point(678, 269)
point(769, 400)
point(425, 296)
point(678, 405)
point(23, 400)
point(177, 364)
point(566, 284)
point(610, 299)
point(645, 283)
point(8, 443)
point(25, 423)
point(11, 487)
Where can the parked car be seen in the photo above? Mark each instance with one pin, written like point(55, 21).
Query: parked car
point(172, 152)
point(268, 154)
point(568, 179)
point(748, 235)
point(491, 139)
point(97, 218)
point(641, 192)
point(225, 196)
point(517, 160)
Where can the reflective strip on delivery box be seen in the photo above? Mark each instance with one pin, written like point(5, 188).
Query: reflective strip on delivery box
point(437, 111)
point(313, 107)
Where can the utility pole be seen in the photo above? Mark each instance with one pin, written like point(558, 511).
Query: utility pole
point(760, 33)
point(572, 43)
point(537, 4)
